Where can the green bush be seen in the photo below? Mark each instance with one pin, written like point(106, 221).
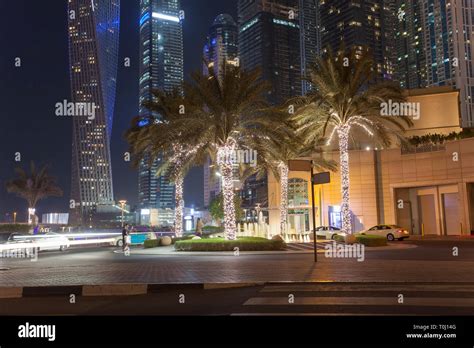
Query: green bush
point(10, 228)
point(152, 243)
point(339, 238)
point(220, 244)
point(371, 240)
point(213, 229)
point(177, 239)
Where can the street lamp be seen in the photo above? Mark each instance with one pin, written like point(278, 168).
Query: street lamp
point(122, 205)
point(14, 217)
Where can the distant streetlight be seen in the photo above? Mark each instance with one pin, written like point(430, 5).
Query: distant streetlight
point(14, 217)
point(122, 205)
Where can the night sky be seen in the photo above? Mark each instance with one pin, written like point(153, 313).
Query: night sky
point(36, 31)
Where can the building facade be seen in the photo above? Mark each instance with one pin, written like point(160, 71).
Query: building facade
point(161, 67)
point(93, 31)
point(411, 58)
point(448, 27)
point(361, 24)
point(427, 191)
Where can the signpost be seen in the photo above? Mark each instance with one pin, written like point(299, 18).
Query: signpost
point(316, 179)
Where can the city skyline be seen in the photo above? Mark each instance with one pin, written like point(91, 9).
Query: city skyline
point(50, 72)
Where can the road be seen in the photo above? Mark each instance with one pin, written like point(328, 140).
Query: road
point(430, 278)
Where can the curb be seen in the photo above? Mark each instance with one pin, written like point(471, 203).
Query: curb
point(112, 289)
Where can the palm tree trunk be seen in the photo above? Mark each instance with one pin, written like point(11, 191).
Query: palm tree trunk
point(179, 207)
point(224, 162)
point(343, 135)
point(283, 168)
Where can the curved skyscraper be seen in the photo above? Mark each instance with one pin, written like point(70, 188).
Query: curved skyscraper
point(93, 53)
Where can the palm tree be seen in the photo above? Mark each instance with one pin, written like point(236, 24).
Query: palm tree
point(345, 98)
point(222, 113)
point(33, 186)
point(150, 139)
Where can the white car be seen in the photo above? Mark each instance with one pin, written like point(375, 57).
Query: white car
point(391, 232)
point(46, 241)
point(328, 232)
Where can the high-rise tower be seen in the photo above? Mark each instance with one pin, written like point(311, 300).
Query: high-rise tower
point(221, 48)
point(161, 67)
point(359, 24)
point(93, 28)
point(448, 27)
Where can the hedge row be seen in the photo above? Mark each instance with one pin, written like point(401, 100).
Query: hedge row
point(220, 244)
point(11, 228)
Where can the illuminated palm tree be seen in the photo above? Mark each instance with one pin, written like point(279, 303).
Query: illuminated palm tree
point(151, 139)
point(33, 186)
point(345, 98)
point(220, 114)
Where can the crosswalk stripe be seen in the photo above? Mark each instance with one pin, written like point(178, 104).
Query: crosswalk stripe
point(364, 301)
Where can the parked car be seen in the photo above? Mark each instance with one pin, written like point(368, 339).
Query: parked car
point(391, 232)
point(328, 232)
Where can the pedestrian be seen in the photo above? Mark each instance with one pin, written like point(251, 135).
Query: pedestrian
point(199, 226)
point(124, 236)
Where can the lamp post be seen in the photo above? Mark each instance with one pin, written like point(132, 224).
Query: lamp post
point(122, 206)
point(14, 217)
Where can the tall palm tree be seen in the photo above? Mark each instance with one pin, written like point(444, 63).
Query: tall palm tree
point(150, 139)
point(222, 113)
point(345, 98)
point(33, 186)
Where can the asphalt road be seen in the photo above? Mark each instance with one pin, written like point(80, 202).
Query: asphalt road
point(431, 279)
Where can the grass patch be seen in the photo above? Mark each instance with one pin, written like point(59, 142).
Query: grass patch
point(220, 244)
point(371, 240)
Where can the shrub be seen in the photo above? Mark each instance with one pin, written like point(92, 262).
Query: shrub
point(220, 244)
point(177, 239)
point(152, 243)
point(371, 240)
point(339, 238)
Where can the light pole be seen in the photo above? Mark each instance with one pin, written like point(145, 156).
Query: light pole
point(14, 217)
point(122, 206)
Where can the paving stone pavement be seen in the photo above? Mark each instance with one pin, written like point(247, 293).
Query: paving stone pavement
point(116, 268)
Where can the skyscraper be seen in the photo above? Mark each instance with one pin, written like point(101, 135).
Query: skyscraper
point(310, 38)
point(364, 23)
point(281, 37)
point(161, 67)
point(221, 48)
point(448, 27)
point(93, 28)
point(411, 59)
point(269, 39)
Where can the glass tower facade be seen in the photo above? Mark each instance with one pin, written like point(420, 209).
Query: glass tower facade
point(448, 27)
point(161, 67)
point(93, 28)
point(410, 62)
point(281, 37)
point(362, 23)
